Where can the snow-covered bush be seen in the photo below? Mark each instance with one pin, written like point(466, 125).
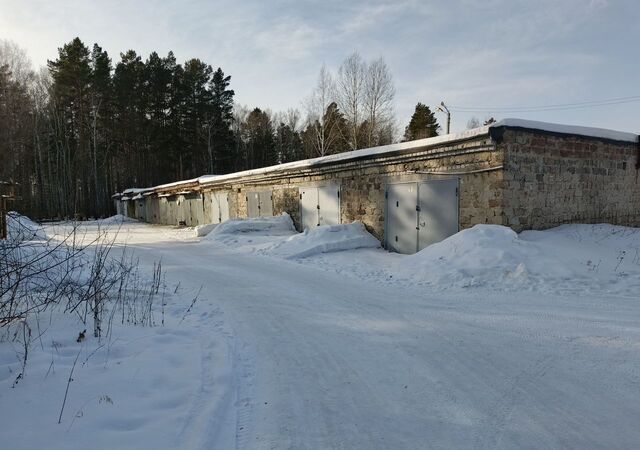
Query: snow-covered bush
point(74, 275)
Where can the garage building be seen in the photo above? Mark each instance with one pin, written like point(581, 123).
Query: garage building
point(521, 174)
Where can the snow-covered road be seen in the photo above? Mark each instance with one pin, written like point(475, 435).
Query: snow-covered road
point(318, 359)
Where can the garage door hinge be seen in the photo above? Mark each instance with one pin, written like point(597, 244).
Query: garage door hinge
point(386, 194)
point(417, 207)
point(457, 192)
point(317, 206)
point(300, 196)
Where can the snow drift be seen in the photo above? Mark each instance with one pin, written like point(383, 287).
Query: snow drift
point(324, 239)
point(273, 226)
point(247, 233)
point(570, 256)
point(22, 228)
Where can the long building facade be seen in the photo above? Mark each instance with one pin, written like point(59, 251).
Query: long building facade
point(521, 174)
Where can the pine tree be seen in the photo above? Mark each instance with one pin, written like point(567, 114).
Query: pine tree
point(71, 74)
point(195, 110)
point(288, 144)
point(220, 136)
point(101, 95)
point(423, 124)
point(260, 146)
point(133, 159)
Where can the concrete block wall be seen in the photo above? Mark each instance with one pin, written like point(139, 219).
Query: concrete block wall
point(553, 179)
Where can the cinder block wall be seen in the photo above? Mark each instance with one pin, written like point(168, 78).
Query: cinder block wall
point(554, 179)
point(363, 183)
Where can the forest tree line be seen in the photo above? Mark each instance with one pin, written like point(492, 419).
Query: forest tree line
point(84, 127)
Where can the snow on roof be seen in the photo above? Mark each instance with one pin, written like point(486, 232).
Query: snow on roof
point(567, 129)
point(356, 154)
point(136, 190)
point(175, 184)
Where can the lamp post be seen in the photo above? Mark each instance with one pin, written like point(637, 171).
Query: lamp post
point(443, 108)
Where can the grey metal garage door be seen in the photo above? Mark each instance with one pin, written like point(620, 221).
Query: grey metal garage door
point(181, 210)
point(259, 204)
point(402, 218)
point(196, 210)
point(253, 204)
point(438, 215)
point(219, 207)
point(266, 204)
point(320, 205)
point(420, 214)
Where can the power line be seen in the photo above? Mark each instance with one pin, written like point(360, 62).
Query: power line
point(556, 107)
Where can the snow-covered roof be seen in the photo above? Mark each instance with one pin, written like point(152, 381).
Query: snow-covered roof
point(175, 184)
point(601, 133)
point(354, 155)
point(398, 147)
point(136, 190)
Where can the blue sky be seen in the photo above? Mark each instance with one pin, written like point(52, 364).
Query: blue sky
point(488, 54)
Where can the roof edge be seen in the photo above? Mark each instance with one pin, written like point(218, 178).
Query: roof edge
point(496, 131)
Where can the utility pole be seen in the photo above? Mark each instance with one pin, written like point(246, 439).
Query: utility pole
point(443, 108)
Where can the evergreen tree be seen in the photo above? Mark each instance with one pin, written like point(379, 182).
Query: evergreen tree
point(101, 124)
point(195, 110)
point(220, 137)
point(159, 79)
point(71, 75)
point(423, 124)
point(260, 140)
point(132, 158)
point(288, 144)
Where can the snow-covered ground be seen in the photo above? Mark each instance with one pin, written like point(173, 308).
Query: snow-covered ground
point(489, 339)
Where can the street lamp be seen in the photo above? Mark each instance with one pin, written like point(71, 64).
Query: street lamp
point(443, 108)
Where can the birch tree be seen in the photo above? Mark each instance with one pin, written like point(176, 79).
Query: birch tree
point(350, 96)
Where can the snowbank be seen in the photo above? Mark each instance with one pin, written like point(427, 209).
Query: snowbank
point(247, 234)
point(569, 257)
point(274, 226)
point(22, 228)
point(203, 230)
point(117, 219)
point(324, 239)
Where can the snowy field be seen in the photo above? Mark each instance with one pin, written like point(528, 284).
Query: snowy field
point(322, 340)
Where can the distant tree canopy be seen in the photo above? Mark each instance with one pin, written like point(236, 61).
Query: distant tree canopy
point(87, 126)
point(423, 124)
point(102, 128)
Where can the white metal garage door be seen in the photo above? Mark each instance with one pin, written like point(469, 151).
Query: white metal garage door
point(320, 205)
point(309, 207)
point(219, 207)
point(420, 214)
point(329, 205)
